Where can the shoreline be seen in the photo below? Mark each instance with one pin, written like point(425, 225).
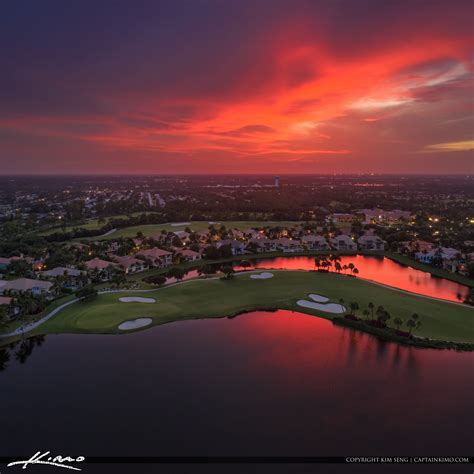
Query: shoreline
point(417, 341)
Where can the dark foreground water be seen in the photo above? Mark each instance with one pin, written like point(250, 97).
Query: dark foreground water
point(279, 383)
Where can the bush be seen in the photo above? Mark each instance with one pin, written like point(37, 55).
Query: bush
point(156, 280)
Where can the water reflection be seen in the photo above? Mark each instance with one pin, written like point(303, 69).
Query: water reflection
point(280, 383)
point(19, 350)
point(381, 270)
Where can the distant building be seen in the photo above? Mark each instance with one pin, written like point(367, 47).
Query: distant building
point(277, 181)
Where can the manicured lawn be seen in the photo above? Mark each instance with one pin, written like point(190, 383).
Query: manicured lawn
point(89, 224)
point(216, 298)
point(151, 229)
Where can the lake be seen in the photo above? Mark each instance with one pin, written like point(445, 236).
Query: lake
point(280, 383)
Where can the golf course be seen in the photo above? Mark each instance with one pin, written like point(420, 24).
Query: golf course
point(214, 298)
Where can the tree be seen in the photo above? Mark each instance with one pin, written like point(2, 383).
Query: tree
point(156, 280)
point(398, 322)
point(119, 278)
point(317, 262)
point(337, 267)
point(207, 270)
point(413, 323)
point(20, 268)
point(354, 307)
point(366, 313)
point(177, 273)
point(351, 267)
point(3, 316)
point(86, 293)
point(355, 271)
point(371, 307)
point(228, 272)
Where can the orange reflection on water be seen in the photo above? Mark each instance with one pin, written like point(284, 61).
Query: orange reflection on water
point(381, 270)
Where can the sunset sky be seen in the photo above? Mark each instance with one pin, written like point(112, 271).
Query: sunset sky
point(234, 86)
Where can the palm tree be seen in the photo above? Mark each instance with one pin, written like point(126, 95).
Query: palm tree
point(398, 322)
point(366, 313)
point(344, 268)
point(413, 323)
point(337, 267)
point(371, 307)
point(351, 267)
point(355, 271)
point(317, 262)
point(354, 307)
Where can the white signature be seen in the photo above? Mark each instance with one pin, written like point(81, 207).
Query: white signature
point(45, 458)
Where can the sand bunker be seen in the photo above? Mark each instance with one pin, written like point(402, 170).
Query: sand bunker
point(318, 298)
point(136, 299)
point(262, 276)
point(135, 324)
point(327, 308)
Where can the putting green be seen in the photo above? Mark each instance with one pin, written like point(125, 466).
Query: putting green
point(217, 298)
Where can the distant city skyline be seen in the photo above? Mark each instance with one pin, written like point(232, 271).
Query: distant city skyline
point(267, 87)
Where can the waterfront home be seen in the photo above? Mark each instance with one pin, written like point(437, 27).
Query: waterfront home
point(157, 257)
point(262, 245)
point(343, 242)
point(449, 258)
point(72, 277)
point(130, 264)
point(315, 242)
point(189, 255)
point(417, 246)
point(371, 242)
point(237, 247)
point(27, 285)
point(288, 245)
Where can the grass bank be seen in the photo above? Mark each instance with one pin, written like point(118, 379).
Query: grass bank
point(213, 298)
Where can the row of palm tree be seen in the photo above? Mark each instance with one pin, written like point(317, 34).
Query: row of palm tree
point(327, 263)
point(382, 315)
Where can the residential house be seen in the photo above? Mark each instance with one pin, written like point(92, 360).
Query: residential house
point(103, 268)
point(183, 235)
point(340, 218)
point(289, 245)
point(189, 255)
point(315, 242)
point(72, 276)
point(262, 245)
point(371, 242)
point(237, 247)
point(36, 287)
point(12, 309)
point(130, 264)
point(379, 216)
point(343, 242)
point(157, 257)
point(448, 258)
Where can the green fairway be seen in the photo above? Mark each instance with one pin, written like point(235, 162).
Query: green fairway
point(90, 224)
point(151, 229)
point(217, 298)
